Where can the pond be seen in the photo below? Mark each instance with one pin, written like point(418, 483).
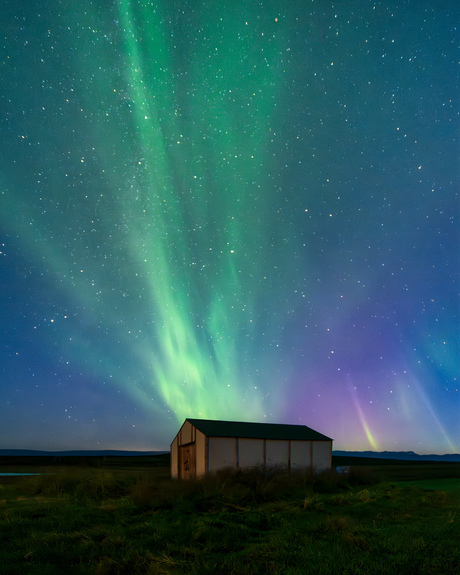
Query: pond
point(8, 474)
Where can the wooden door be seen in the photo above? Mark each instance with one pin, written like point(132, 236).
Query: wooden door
point(187, 461)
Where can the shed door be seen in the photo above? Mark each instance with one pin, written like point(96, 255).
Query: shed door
point(187, 461)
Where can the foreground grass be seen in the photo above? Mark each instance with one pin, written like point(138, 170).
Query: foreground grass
point(116, 522)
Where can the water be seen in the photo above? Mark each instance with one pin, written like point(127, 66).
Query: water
point(22, 474)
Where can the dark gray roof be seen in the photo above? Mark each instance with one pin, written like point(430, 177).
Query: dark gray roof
point(218, 428)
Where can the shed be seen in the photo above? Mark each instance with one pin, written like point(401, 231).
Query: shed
point(202, 446)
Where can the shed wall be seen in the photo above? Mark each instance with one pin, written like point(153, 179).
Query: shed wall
point(322, 453)
point(222, 453)
point(186, 433)
point(250, 452)
point(200, 440)
point(276, 453)
point(300, 454)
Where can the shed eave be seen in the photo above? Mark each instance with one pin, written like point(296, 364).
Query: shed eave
point(249, 430)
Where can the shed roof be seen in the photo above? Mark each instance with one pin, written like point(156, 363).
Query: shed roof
point(218, 428)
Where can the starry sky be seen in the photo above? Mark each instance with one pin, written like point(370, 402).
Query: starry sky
point(229, 210)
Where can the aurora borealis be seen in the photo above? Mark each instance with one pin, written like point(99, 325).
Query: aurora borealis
point(236, 210)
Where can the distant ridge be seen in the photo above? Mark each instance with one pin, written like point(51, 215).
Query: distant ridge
point(400, 455)
point(76, 453)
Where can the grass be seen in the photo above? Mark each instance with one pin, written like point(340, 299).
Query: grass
point(139, 521)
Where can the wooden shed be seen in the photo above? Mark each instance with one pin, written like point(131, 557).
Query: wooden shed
point(203, 446)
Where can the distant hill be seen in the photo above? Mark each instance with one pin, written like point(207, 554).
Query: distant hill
point(399, 455)
point(81, 453)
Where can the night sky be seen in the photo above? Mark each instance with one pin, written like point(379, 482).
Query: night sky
point(231, 210)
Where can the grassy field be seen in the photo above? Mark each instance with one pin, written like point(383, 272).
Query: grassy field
point(123, 517)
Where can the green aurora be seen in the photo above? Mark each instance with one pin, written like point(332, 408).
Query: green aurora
point(179, 237)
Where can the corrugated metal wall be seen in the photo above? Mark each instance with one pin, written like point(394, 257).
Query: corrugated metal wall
point(300, 454)
point(250, 452)
point(277, 453)
point(322, 453)
point(221, 453)
point(200, 453)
